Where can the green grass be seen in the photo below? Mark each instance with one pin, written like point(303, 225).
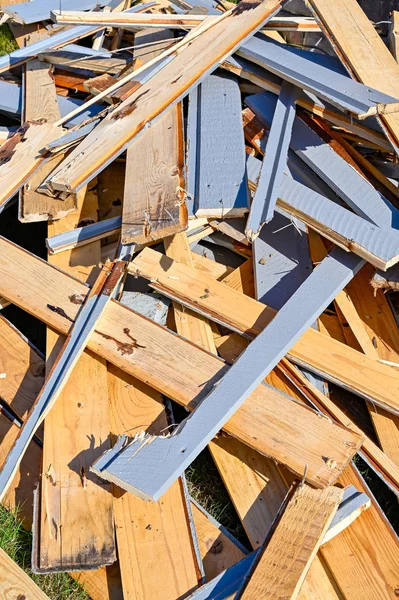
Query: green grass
point(7, 41)
point(17, 542)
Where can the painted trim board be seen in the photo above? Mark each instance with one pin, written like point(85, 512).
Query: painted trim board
point(147, 466)
point(306, 70)
point(274, 161)
point(40, 10)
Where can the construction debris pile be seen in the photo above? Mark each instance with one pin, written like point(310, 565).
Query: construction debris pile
point(220, 183)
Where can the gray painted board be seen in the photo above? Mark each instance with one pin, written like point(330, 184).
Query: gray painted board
point(341, 177)
point(83, 235)
point(314, 73)
point(148, 465)
point(216, 149)
point(39, 10)
point(274, 161)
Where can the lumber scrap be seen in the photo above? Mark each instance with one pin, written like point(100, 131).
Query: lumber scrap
point(40, 102)
point(169, 456)
point(274, 162)
point(216, 187)
point(126, 20)
point(284, 559)
point(15, 583)
point(70, 501)
point(393, 35)
point(191, 65)
point(152, 537)
point(320, 75)
point(361, 51)
point(153, 203)
point(27, 13)
point(140, 356)
point(80, 236)
point(55, 381)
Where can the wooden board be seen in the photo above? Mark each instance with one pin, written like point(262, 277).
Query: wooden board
point(153, 203)
point(192, 64)
point(183, 372)
point(72, 502)
point(152, 538)
point(15, 583)
point(283, 562)
point(217, 188)
point(361, 50)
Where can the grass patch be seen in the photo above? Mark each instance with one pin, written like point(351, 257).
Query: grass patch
point(7, 40)
point(17, 542)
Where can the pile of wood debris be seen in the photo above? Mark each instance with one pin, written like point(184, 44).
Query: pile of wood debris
point(220, 184)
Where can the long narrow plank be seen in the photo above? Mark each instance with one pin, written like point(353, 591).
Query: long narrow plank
point(62, 367)
point(248, 316)
point(26, 13)
point(152, 200)
point(274, 162)
point(217, 188)
point(15, 583)
point(191, 65)
point(166, 457)
point(318, 74)
point(152, 537)
point(362, 51)
point(123, 19)
point(283, 562)
point(40, 102)
point(184, 373)
point(67, 506)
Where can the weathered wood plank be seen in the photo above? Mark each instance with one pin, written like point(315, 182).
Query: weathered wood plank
point(217, 188)
point(184, 373)
point(124, 19)
point(361, 51)
point(15, 583)
point(281, 565)
point(153, 204)
point(274, 162)
point(191, 65)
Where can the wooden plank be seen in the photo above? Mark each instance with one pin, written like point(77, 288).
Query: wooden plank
point(320, 75)
point(40, 102)
point(285, 558)
point(171, 372)
point(274, 162)
point(218, 188)
point(153, 204)
point(15, 583)
point(152, 537)
point(26, 13)
point(150, 42)
point(332, 168)
point(364, 557)
point(61, 369)
point(126, 20)
point(69, 502)
point(362, 52)
point(393, 35)
point(191, 65)
point(165, 458)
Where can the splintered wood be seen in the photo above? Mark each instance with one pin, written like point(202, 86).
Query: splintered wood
point(216, 322)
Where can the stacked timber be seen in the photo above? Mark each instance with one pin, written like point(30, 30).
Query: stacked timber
point(221, 192)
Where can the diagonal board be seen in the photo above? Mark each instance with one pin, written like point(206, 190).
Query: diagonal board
point(15, 583)
point(158, 461)
point(283, 561)
point(197, 60)
point(361, 51)
point(181, 370)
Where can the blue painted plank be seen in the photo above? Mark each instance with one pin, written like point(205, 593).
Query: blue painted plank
point(219, 186)
point(316, 73)
point(39, 10)
point(147, 466)
point(274, 161)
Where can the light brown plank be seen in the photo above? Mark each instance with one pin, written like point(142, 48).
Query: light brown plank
point(76, 527)
point(15, 583)
point(153, 202)
point(153, 537)
point(292, 544)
